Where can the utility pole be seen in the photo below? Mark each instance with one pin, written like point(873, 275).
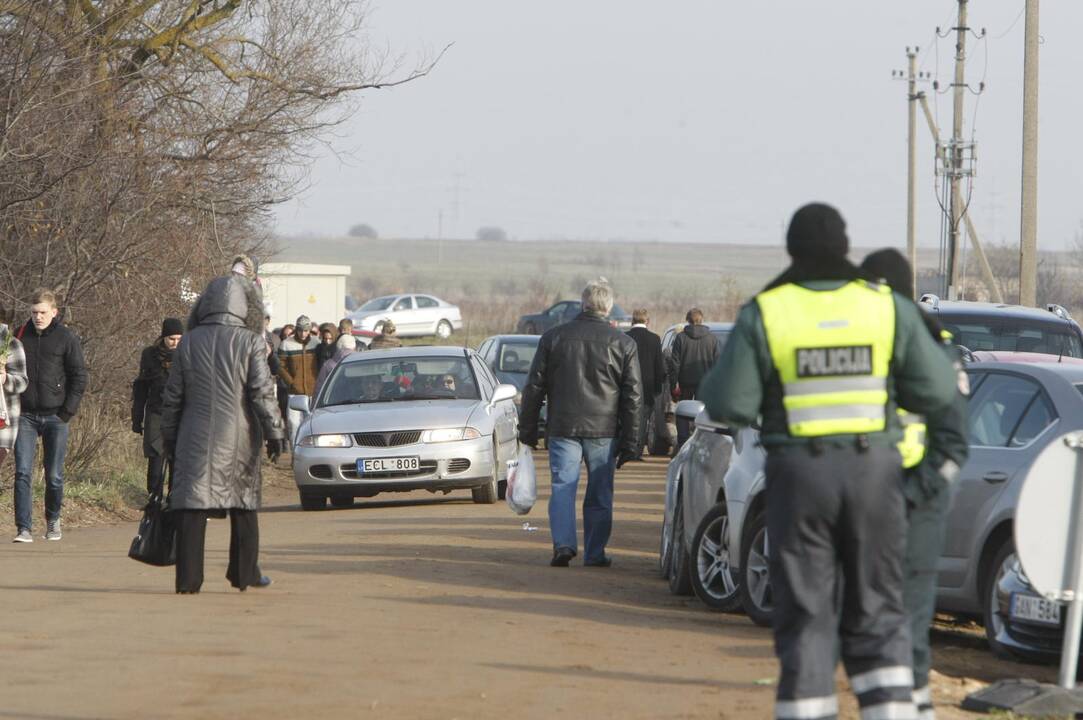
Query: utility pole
point(1028, 213)
point(956, 150)
point(911, 167)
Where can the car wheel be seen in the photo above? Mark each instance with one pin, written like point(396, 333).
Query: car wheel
point(679, 581)
point(311, 501)
point(714, 579)
point(994, 625)
point(755, 585)
point(443, 330)
point(342, 501)
point(487, 493)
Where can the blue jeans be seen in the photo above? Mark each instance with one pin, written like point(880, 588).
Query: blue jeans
point(54, 439)
point(565, 455)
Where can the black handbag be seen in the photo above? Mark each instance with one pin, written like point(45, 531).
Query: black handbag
point(156, 543)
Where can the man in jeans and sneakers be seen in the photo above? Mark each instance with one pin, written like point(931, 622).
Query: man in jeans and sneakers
point(57, 377)
point(589, 372)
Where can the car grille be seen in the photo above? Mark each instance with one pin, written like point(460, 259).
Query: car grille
point(458, 465)
point(387, 439)
point(1039, 637)
point(428, 467)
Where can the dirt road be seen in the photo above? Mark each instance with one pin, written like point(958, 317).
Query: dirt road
point(409, 606)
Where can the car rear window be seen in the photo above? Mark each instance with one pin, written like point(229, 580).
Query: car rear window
point(981, 334)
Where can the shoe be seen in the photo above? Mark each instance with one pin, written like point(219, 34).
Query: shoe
point(604, 561)
point(263, 582)
point(53, 533)
point(24, 536)
point(562, 556)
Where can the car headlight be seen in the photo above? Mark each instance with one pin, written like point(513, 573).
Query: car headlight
point(449, 435)
point(326, 441)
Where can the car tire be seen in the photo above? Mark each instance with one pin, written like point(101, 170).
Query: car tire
point(1002, 558)
point(342, 501)
point(311, 501)
point(680, 582)
point(714, 579)
point(443, 330)
point(755, 585)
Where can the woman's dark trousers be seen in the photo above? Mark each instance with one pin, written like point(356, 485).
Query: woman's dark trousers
point(243, 548)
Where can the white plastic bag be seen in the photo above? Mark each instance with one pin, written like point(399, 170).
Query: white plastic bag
point(522, 484)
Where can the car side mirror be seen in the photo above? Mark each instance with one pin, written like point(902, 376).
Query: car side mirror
point(503, 392)
point(703, 420)
point(300, 403)
point(689, 409)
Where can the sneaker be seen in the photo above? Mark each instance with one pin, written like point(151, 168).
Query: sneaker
point(53, 533)
point(24, 536)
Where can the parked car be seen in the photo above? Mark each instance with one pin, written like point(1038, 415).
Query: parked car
point(566, 311)
point(1013, 328)
point(432, 418)
point(661, 430)
point(413, 315)
point(510, 357)
point(1017, 406)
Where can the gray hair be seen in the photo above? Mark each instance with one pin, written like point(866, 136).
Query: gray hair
point(598, 297)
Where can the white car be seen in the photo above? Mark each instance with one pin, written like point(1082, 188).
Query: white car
point(413, 315)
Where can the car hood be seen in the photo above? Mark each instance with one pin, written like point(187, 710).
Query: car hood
point(391, 416)
point(358, 315)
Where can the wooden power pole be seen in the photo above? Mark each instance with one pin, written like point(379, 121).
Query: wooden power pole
point(1028, 213)
point(955, 149)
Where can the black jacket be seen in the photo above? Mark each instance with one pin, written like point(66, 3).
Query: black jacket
point(147, 398)
point(55, 369)
point(589, 372)
point(651, 369)
point(694, 352)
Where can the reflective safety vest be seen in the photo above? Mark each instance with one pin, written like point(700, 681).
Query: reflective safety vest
point(912, 446)
point(832, 350)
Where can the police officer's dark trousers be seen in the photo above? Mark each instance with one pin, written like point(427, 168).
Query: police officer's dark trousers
point(836, 518)
point(924, 541)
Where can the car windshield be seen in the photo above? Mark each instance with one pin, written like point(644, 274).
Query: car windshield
point(981, 334)
point(381, 303)
point(516, 357)
point(381, 381)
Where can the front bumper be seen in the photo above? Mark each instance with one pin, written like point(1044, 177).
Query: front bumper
point(443, 466)
point(1040, 641)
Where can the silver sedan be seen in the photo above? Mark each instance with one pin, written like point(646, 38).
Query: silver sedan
point(431, 418)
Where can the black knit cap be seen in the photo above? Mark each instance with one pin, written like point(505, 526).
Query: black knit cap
point(817, 230)
point(172, 326)
point(892, 268)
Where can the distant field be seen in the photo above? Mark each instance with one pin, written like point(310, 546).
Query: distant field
point(495, 282)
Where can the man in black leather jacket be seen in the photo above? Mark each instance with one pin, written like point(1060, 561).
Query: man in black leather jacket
point(589, 372)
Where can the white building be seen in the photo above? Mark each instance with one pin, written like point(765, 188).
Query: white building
point(293, 289)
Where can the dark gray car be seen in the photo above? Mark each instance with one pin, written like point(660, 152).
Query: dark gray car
point(566, 311)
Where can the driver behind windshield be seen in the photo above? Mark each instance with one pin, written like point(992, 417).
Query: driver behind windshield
point(371, 388)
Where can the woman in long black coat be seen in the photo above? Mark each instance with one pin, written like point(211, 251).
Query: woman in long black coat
point(147, 389)
point(218, 409)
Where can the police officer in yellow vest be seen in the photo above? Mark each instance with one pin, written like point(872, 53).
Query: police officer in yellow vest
point(933, 450)
point(822, 358)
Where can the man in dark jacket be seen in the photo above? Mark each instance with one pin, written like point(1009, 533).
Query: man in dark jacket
point(651, 370)
point(218, 408)
point(589, 372)
point(57, 378)
point(694, 352)
point(147, 389)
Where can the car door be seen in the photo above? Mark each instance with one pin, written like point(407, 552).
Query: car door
point(402, 314)
point(426, 313)
point(505, 417)
point(998, 407)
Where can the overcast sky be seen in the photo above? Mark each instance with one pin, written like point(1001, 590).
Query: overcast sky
point(692, 120)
